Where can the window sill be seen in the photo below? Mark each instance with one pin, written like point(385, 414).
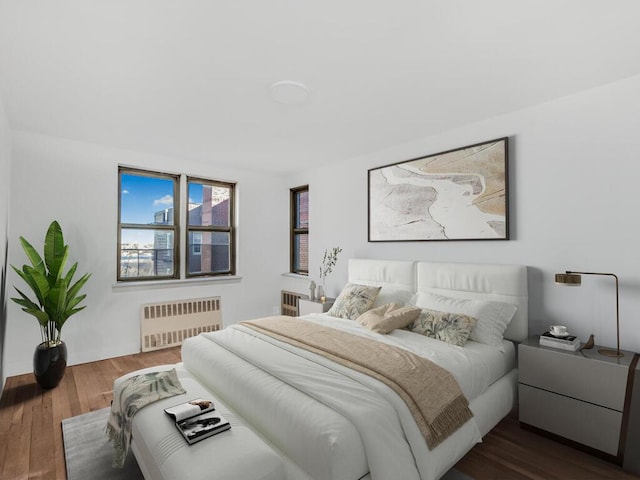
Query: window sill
point(183, 282)
point(296, 276)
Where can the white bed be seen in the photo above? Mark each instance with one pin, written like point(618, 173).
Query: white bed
point(328, 422)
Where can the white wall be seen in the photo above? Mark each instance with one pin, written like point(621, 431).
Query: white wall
point(5, 176)
point(76, 184)
point(574, 177)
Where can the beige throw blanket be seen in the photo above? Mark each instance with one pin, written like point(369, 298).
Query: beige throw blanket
point(432, 394)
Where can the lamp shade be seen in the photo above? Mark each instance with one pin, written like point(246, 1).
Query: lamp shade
point(568, 278)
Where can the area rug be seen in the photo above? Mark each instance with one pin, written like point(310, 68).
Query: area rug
point(89, 454)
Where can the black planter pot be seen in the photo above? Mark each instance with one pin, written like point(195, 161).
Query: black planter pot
point(49, 364)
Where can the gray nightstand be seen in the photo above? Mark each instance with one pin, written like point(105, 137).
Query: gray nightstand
point(583, 396)
point(306, 306)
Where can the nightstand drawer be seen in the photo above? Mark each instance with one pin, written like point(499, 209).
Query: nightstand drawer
point(571, 374)
point(582, 422)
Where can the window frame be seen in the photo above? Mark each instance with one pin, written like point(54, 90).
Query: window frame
point(230, 229)
point(294, 231)
point(175, 228)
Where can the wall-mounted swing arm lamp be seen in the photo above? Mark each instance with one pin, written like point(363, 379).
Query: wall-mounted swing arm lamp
point(575, 279)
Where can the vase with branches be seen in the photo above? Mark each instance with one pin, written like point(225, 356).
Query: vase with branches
point(329, 261)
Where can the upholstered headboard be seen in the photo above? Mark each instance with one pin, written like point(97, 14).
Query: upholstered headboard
point(504, 283)
point(383, 273)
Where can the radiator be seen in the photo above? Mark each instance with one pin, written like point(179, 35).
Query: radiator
point(167, 324)
point(289, 304)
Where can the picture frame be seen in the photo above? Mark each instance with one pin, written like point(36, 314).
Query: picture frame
point(459, 194)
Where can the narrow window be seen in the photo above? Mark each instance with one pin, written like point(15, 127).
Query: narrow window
point(196, 246)
point(300, 230)
point(210, 228)
point(147, 225)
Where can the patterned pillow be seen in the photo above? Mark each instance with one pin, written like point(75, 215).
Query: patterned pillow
point(353, 301)
point(388, 317)
point(492, 317)
point(447, 327)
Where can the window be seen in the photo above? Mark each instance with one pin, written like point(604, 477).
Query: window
point(147, 227)
point(196, 245)
point(149, 220)
point(210, 229)
point(300, 230)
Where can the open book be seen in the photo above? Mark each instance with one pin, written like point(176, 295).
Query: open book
point(197, 419)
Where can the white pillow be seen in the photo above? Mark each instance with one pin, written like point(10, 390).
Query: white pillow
point(389, 295)
point(492, 317)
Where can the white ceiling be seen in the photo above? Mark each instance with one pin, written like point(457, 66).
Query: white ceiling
point(190, 78)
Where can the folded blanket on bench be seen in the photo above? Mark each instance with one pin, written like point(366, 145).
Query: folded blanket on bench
point(131, 395)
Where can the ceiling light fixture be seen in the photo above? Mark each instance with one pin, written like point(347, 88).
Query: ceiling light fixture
point(289, 92)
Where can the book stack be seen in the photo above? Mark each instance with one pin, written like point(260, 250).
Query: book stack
point(567, 342)
point(197, 420)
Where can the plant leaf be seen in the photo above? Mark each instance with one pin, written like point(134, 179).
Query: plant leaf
point(55, 305)
point(27, 278)
point(28, 275)
point(42, 317)
point(76, 310)
point(33, 256)
point(69, 276)
point(73, 291)
point(68, 314)
point(25, 301)
point(72, 302)
point(41, 285)
point(55, 251)
point(32, 308)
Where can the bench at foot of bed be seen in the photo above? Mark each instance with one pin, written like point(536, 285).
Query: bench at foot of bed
point(163, 453)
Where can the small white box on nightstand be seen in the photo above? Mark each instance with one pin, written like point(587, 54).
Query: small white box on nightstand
point(306, 306)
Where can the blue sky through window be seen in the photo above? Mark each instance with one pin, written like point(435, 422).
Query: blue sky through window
point(141, 197)
point(195, 193)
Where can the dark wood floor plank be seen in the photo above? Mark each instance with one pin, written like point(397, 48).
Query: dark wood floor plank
point(59, 410)
point(41, 458)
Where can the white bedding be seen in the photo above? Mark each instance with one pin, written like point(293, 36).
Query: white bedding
point(328, 422)
point(337, 423)
point(475, 366)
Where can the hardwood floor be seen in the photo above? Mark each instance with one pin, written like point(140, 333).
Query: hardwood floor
point(31, 435)
point(511, 453)
point(30, 418)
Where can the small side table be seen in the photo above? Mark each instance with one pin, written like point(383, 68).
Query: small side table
point(583, 397)
point(306, 306)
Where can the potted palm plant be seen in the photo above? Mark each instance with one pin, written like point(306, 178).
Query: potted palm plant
point(57, 297)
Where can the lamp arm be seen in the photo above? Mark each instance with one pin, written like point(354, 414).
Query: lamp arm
point(617, 300)
point(568, 272)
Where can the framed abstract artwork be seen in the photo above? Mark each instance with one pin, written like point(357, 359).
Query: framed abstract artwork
point(459, 194)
